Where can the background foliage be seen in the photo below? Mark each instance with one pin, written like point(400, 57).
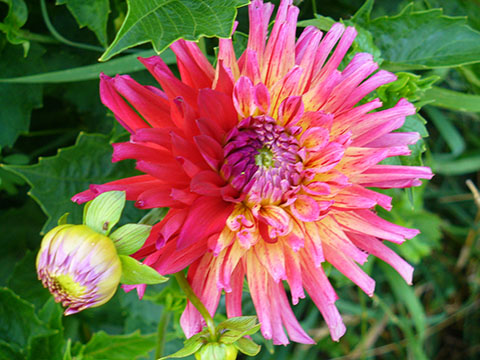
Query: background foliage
point(55, 139)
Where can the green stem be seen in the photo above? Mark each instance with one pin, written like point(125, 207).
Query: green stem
point(161, 332)
point(59, 37)
point(187, 289)
point(314, 6)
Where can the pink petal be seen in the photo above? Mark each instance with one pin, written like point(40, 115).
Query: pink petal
point(366, 222)
point(375, 247)
point(305, 208)
point(243, 97)
point(290, 111)
point(154, 108)
point(123, 112)
point(321, 291)
point(233, 299)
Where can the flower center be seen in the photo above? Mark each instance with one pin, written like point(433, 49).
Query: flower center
point(262, 160)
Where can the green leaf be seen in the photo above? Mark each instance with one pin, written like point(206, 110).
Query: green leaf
point(362, 16)
point(125, 64)
point(453, 100)
point(406, 295)
point(322, 22)
point(90, 13)
point(460, 166)
point(424, 40)
point(236, 328)
point(16, 17)
point(447, 131)
point(17, 100)
point(49, 346)
point(129, 238)
point(25, 283)
point(9, 352)
point(247, 347)
point(409, 86)
point(162, 22)
point(104, 212)
point(190, 346)
point(54, 180)
point(103, 346)
point(18, 322)
point(67, 355)
point(134, 272)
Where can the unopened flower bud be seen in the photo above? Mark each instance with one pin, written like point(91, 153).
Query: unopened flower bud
point(79, 266)
point(217, 351)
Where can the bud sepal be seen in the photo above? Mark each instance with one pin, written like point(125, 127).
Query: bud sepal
point(134, 272)
point(230, 338)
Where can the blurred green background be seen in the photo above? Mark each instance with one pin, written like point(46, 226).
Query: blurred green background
point(55, 138)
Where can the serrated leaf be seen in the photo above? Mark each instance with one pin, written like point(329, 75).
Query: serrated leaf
point(453, 100)
point(162, 22)
point(18, 322)
point(408, 86)
point(16, 17)
point(247, 347)
point(24, 281)
point(104, 212)
point(90, 13)
point(9, 352)
point(17, 100)
point(103, 346)
point(50, 346)
point(54, 180)
point(130, 238)
point(126, 65)
point(424, 40)
point(362, 16)
point(134, 272)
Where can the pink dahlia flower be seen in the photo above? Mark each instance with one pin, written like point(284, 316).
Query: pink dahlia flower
point(265, 163)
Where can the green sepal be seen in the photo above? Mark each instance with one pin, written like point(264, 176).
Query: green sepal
point(134, 272)
point(212, 351)
point(103, 213)
point(247, 347)
point(129, 238)
point(63, 219)
point(236, 328)
point(190, 346)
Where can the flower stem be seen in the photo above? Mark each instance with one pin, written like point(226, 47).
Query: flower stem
point(161, 332)
point(187, 289)
point(59, 37)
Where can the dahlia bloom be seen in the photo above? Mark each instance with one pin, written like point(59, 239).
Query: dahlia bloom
point(265, 162)
point(79, 266)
